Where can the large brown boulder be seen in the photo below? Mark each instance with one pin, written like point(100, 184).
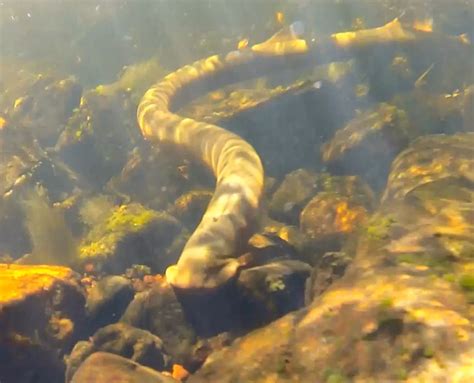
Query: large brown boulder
point(403, 309)
point(103, 367)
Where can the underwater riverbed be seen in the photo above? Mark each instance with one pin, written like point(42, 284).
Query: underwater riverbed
point(295, 204)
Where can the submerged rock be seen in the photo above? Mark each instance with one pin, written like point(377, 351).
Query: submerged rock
point(327, 270)
point(138, 345)
point(132, 234)
point(107, 300)
point(430, 161)
point(103, 367)
point(102, 131)
point(402, 310)
point(39, 103)
point(158, 311)
point(99, 135)
point(379, 133)
point(435, 113)
point(41, 316)
point(295, 190)
point(157, 176)
point(438, 191)
point(329, 218)
point(298, 187)
point(25, 169)
point(269, 291)
point(275, 241)
point(189, 207)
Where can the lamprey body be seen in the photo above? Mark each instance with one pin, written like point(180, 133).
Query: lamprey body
point(209, 259)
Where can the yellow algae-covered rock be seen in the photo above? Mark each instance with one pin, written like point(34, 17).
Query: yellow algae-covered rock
point(383, 327)
point(41, 316)
point(18, 282)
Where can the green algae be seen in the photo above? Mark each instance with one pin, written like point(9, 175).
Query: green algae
point(466, 281)
point(379, 227)
point(428, 352)
point(79, 125)
point(129, 218)
point(439, 264)
point(124, 220)
point(386, 303)
point(133, 234)
point(401, 373)
point(276, 284)
point(334, 375)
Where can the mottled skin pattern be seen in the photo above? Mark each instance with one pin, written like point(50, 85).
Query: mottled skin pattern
point(209, 258)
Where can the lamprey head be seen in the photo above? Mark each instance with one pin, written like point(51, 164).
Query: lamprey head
point(189, 274)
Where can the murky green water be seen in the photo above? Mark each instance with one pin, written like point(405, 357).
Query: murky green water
point(338, 247)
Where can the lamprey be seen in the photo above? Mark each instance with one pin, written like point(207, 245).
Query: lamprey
point(210, 257)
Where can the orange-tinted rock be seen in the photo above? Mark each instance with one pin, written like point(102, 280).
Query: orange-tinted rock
point(41, 316)
point(299, 186)
point(329, 214)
